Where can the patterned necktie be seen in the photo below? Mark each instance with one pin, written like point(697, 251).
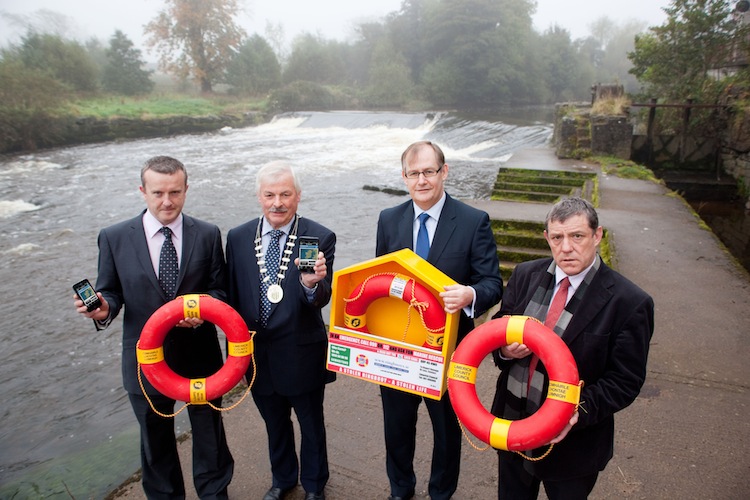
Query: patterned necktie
point(553, 314)
point(273, 255)
point(168, 268)
point(423, 238)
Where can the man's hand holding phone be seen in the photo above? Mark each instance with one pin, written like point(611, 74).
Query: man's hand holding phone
point(89, 302)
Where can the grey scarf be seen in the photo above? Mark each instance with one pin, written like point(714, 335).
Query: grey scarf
point(524, 399)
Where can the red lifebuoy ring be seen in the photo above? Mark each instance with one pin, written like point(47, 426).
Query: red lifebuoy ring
point(401, 287)
point(150, 350)
point(562, 396)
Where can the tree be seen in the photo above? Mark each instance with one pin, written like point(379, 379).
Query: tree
point(29, 98)
point(560, 62)
point(390, 81)
point(64, 60)
point(124, 73)
point(676, 59)
point(314, 59)
point(196, 38)
point(255, 68)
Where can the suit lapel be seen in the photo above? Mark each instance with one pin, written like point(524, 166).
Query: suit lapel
point(597, 296)
point(405, 230)
point(445, 228)
point(188, 243)
point(140, 247)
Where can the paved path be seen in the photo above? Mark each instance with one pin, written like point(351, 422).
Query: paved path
point(686, 436)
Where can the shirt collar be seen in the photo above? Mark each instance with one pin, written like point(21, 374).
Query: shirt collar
point(152, 226)
point(434, 211)
point(267, 227)
point(576, 280)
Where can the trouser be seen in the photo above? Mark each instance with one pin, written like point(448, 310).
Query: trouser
point(517, 483)
point(213, 465)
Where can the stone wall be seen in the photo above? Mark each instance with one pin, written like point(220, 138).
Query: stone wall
point(578, 133)
point(735, 151)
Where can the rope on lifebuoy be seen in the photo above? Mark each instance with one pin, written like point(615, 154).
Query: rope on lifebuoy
point(150, 352)
point(403, 287)
point(562, 398)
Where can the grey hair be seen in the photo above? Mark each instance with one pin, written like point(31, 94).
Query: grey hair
point(274, 170)
point(569, 207)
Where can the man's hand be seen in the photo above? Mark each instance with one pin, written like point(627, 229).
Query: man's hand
point(99, 314)
point(310, 279)
point(573, 421)
point(456, 297)
point(515, 351)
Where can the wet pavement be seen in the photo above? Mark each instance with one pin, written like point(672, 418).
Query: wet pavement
point(687, 434)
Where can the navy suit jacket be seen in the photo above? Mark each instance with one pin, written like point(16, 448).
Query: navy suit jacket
point(127, 278)
point(290, 352)
point(463, 248)
point(609, 338)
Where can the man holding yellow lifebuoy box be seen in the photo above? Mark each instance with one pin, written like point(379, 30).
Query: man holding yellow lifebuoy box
point(458, 240)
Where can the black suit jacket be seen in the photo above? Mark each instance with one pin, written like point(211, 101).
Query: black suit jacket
point(290, 351)
point(609, 338)
point(463, 248)
point(127, 278)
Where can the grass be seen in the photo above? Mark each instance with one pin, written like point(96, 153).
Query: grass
point(625, 169)
point(162, 105)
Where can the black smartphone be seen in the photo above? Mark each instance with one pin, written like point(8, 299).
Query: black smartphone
point(308, 253)
point(87, 294)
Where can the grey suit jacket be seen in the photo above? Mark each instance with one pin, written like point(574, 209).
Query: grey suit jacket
point(463, 248)
point(127, 279)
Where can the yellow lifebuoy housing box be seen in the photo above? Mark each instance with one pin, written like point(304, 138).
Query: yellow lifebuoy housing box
point(388, 324)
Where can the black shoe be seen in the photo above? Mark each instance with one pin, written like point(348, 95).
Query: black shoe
point(309, 495)
point(394, 497)
point(275, 493)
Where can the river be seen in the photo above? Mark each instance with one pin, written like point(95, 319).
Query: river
point(67, 426)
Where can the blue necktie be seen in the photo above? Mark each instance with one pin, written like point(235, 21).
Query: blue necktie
point(273, 254)
point(423, 238)
point(168, 268)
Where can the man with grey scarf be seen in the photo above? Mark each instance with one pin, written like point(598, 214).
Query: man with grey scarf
point(607, 323)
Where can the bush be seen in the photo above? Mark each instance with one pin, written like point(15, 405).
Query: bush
point(310, 96)
point(29, 98)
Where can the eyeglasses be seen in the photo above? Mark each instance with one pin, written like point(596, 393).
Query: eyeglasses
point(414, 174)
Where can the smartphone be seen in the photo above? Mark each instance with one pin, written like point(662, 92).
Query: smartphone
point(308, 253)
point(87, 294)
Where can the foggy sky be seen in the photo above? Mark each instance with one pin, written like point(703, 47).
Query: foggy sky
point(330, 18)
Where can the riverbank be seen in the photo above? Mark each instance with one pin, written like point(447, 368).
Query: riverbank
point(684, 437)
point(69, 131)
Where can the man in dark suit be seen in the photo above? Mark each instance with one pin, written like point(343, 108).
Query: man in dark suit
point(607, 323)
point(130, 275)
point(284, 306)
point(462, 246)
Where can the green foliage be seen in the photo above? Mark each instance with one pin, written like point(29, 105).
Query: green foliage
point(29, 98)
point(255, 69)
point(676, 60)
point(63, 60)
point(390, 82)
point(123, 73)
point(314, 59)
point(310, 96)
